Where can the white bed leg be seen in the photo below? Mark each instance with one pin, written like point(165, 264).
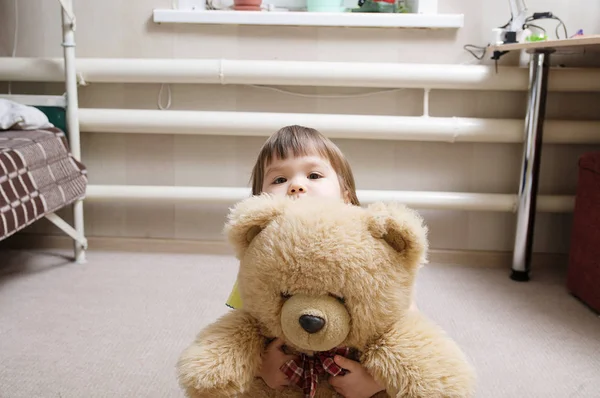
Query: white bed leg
point(80, 247)
point(76, 233)
point(68, 29)
point(67, 229)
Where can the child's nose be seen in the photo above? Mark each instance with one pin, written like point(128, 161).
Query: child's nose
point(296, 188)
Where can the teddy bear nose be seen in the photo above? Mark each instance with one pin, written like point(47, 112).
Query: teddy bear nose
point(312, 324)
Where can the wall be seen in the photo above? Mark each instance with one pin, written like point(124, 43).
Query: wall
point(114, 28)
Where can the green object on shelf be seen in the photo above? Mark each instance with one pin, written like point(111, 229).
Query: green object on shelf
point(381, 7)
point(536, 38)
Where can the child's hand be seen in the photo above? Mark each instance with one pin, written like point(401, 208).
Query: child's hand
point(272, 361)
point(356, 383)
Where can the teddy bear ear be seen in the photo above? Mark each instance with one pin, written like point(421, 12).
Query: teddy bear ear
point(249, 217)
point(402, 228)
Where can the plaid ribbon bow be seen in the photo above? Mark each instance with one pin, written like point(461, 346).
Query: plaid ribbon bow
point(306, 374)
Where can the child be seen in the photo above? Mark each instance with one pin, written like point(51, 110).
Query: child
point(299, 161)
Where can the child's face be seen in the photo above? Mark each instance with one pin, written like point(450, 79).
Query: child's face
point(302, 176)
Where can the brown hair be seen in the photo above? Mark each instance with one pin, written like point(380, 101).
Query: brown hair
point(300, 141)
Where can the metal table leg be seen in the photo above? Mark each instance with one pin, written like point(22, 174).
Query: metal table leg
point(534, 125)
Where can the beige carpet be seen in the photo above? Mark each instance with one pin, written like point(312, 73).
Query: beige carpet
point(115, 327)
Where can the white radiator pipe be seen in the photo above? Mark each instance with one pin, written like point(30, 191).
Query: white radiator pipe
point(420, 200)
point(295, 73)
point(414, 128)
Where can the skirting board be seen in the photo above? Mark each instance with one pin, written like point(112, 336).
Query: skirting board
point(470, 258)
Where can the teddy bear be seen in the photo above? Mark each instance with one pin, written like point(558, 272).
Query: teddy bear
point(327, 278)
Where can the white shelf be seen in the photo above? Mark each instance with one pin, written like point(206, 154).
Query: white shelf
point(37, 100)
point(285, 18)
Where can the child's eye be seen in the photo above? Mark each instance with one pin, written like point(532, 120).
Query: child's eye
point(279, 180)
point(314, 176)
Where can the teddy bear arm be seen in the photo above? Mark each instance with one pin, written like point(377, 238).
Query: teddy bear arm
point(416, 359)
point(224, 358)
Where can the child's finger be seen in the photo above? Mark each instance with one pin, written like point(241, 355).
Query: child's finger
point(346, 363)
point(335, 382)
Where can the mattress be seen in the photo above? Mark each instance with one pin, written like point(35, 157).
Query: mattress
point(38, 176)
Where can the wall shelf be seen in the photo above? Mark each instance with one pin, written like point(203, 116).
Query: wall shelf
point(290, 18)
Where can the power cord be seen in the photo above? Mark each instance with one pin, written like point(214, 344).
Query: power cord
point(530, 25)
point(288, 92)
point(471, 48)
point(160, 95)
point(547, 15)
point(336, 96)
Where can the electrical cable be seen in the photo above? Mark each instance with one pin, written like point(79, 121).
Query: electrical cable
point(160, 95)
point(479, 48)
point(547, 15)
point(534, 26)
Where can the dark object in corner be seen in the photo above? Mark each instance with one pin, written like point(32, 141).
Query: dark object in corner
point(583, 276)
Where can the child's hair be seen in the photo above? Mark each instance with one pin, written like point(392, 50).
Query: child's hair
point(301, 141)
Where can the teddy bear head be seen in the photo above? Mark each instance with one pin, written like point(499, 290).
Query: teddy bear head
point(320, 273)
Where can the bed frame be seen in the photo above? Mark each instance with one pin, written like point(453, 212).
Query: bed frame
point(68, 103)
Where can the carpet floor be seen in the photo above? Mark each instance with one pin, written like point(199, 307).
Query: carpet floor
point(115, 326)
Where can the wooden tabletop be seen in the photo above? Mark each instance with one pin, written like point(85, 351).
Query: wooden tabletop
point(579, 43)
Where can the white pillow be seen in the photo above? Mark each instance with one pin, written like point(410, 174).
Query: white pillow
point(15, 116)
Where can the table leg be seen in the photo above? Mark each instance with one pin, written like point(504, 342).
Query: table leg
point(534, 125)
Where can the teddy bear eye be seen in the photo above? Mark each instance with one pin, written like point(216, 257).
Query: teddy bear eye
point(338, 298)
point(285, 296)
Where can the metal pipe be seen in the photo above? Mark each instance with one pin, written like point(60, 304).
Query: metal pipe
point(527, 193)
point(294, 73)
point(166, 193)
point(416, 199)
point(262, 124)
point(68, 29)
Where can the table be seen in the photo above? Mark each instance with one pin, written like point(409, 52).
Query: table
point(534, 128)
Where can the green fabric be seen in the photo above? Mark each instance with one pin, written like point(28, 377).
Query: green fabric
point(56, 115)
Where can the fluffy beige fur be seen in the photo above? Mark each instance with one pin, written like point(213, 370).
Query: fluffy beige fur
point(353, 267)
